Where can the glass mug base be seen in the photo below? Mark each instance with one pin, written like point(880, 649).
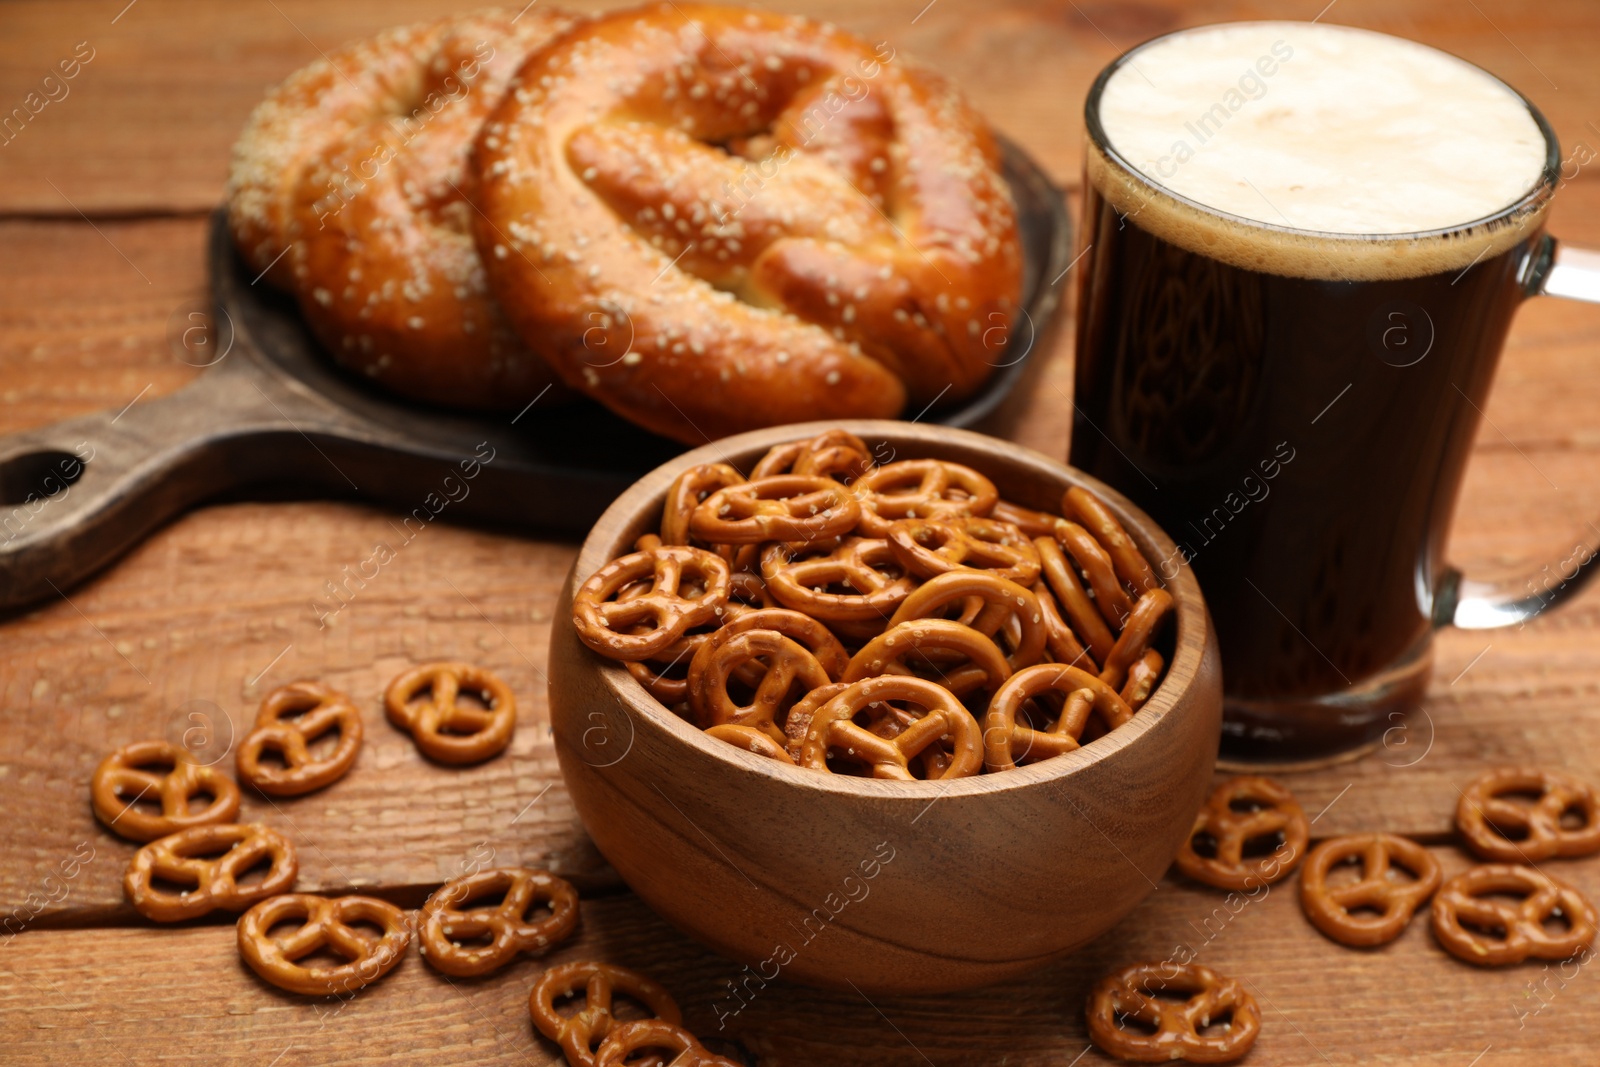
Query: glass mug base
point(1304, 733)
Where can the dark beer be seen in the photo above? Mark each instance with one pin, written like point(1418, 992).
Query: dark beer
point(1296, 409)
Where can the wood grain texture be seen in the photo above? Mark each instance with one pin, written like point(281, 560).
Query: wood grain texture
point(182, 996)
point(208, 603)
point(204, 607)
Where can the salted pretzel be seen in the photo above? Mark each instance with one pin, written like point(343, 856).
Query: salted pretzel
point(291, 718)
point(350, 188)
point(1466, 907)
point(979, 665)
point(182, 858)
point(449, 919)
point(747, 591)
point(442, 726)
point(836, 454)
point(833, 728)
point(1092, 514)
point(1008, 739)
point(752, 739)
point(784, 507)
point(1031, 522)
point(1487, 816)
point(789, 666)
point(1274, 812)
point(687, 492)
point(1131, 993)
point(1143, 677)
point(1059, 638)
point(626, 1039)
point(1001, 600)
point(866, 567)
point(1341, 911)
point(798, 722)
point(1144, 623)
point(1076, 607)
point(665, 675)
point(795, 625)
point(927, 547)
point(125, 777)
point(581, 1033)
point(604, 621)
point(747, 239)
point(921, 489)
point(665, 678)
point(1110, 599)
point(326, 924)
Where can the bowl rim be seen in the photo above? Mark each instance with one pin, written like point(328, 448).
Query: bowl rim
point(645, 497)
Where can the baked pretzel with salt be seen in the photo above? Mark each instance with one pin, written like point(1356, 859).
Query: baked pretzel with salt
point(772, 267)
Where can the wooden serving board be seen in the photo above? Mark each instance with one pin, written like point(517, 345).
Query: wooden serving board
point(272, 411)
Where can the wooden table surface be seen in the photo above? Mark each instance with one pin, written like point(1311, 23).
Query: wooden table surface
point(103, 202)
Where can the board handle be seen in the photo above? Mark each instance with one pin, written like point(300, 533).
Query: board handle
point(76, 495)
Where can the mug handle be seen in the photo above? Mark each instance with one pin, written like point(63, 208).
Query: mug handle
point(1553, 270)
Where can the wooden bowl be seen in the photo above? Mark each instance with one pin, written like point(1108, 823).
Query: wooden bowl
point(891, 887)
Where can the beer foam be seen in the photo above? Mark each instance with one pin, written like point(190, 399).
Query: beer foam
point(1337, 140)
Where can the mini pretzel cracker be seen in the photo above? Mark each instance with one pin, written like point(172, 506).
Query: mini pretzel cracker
point(785, 507)
point(933, 546)
point(866, 566)
point(833, 727)
point(789, 664)
point(1063, 645)
point(752, 739)
point(180, 858)
point(1339, 911)
point(835, 453)
point(830, 454)
point(1076, 607)
point(326, 926)
point(1274, 812)
point(581, 1033)
point(603, 620)
point(798, 722)
point(687, 493)
point(921, 489)
point(668, 688)
point(442, 727)
point(1110, 599)
point(1033, 523)
point(628, 1038)
point(1130, 993)
point(764, 602)
point(1485, 814)
point(448, 919)
point(1008, 741)
point(1465, 910)
point(1002, 599)
point(1143, 677)
point(320, 710)
point(795, 625)
point(124, 777)
point(1092, 513)
point(979, 666)
point(1144, 622)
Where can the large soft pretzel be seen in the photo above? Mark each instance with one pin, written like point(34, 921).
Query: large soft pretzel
point(350, 187)
point(713, 219)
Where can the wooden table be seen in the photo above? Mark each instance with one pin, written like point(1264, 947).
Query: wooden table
point(103, 202)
